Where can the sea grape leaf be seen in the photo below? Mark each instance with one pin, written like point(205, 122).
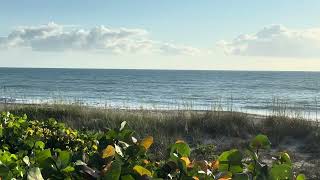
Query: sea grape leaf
point(34, 174)
point(108, 152)
point(231, 161)
point(68, 169)
point(39, 145)
point(64, 159)
point(180, 148)
point(260, 142)
point(114, 171)
point(43, 155)
point(285, 158)
point(142, 171)
point(26, 160)
point(282, 171)
point(301, 177)
point(147, 142)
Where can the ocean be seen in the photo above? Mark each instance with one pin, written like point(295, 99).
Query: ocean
point(248, 91)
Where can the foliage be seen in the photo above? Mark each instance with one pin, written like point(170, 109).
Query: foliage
point(31, 149)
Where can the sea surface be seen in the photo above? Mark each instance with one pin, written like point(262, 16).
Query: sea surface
point(249, 91)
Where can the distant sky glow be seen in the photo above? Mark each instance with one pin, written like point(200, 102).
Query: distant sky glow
point(144, 34)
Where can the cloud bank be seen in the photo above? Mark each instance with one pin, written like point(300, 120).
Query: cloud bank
point(276, 41)
point(55, 37)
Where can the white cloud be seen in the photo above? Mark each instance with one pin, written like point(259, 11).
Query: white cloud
point(55, 37)
point(276, 41)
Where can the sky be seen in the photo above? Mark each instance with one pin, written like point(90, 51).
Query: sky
point(167, 34)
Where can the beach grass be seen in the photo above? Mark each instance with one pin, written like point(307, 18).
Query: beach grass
point(208, 132)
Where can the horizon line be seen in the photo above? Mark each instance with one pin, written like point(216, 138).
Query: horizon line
point(158, 69)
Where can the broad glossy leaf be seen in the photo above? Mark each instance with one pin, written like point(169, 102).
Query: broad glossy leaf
point(147, 142)
point(180, 148)
point(39, 145)
point(142, 171)
point(301, 177)
point(118, 150)
point(26, 160)
point(260, 142)
point(231, 161)
point(68, 169)
point(113, 172)
point(186, 160)
point(282, 171)
point(43, 155)
point(285, 158)
point(64, 158)
point(108, 152)
point(34, 174)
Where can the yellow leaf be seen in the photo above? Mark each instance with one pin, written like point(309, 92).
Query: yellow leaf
point(94, 147)
point(179, 141)
point(215, 165)
point(195, 178)
point(142, 171)
point(146, 142)
point(108, 151)
point(186, 160)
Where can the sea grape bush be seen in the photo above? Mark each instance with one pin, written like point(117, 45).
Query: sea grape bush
point(35, 150)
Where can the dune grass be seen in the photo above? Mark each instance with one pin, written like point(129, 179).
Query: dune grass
point(208, 132)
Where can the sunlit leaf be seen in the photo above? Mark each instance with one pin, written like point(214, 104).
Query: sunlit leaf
point(301, 177)
point(34, 174)
point(142, 171)
point(282, 171)
point(260, 142)
point(123, 124)
point(147, 142)
point(186, 160)
point(118, 150)
point(108, 152)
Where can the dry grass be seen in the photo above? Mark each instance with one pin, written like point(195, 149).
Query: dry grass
point(203, 130)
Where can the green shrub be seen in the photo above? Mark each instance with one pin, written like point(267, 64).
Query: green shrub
point(32, 149)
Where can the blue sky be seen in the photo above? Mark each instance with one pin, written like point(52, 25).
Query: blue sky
point(171, 27)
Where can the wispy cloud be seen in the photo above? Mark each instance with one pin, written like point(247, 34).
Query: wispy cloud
point(55, 37)
point(276, 41)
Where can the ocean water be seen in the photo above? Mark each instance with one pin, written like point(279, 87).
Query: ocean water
point(247, 91)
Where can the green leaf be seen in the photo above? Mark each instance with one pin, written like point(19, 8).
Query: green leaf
point(231, 161)
point(181, 149)
point(42, 156)
point(301, 177)
point(4, 170)
point(127, 177)
point(114, 172)
point(34, 174)
point(26, 160)
point(285, 158)
point(68, 169)
point(260, 142)
point(39, 145)
point(282, 171)
point(64, 159)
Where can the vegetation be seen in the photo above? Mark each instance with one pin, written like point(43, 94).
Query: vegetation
point(32, 149)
